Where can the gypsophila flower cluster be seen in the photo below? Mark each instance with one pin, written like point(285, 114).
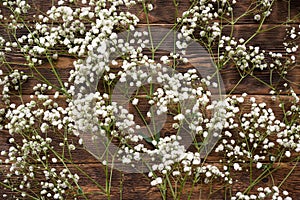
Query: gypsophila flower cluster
point(81, 29)
point(13, 81)
point(36, 149)
point(115, 77)
point(264, 193)
point(202, 17)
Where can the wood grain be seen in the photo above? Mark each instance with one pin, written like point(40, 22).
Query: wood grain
point(258, 80)
point(137, 186)
point(81, 156)
point(280, 11)
point(269, 37)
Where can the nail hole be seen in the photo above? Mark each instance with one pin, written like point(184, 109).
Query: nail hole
point(265, 180)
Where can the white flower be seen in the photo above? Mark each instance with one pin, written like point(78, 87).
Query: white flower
point(236, 167)
point(261, 195)
point(288, 154)
point(126, 160)
point(179, 117)
point(156, 181)
point(175, 173)
point(44, 127)
point(56, 196)
point(150, 7)
point(72, 147)
point(258, 165)
point(11, 140)
point(196, 161)
point(164, 59)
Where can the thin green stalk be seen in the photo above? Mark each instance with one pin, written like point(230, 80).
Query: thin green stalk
point(121, 185)
point(171, 187)
point(260, 25)
point(289, 174)
point(15, 189)
point(259, 178)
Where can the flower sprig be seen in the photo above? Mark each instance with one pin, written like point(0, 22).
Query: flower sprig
point(252, 140)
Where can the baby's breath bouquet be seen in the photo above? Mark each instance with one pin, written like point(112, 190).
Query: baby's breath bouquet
point(98, 89)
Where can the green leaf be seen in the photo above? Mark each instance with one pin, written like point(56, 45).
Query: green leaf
point(150, 139)
point(79, 191)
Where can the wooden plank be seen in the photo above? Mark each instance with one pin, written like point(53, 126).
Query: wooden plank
point(281, 11)
point(270, 37)
point(80, 155)
point(137, 186)
point(279, 14)
point(259, 80)
point(143, 103)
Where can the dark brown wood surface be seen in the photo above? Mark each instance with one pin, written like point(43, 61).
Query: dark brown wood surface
point(137, 186)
